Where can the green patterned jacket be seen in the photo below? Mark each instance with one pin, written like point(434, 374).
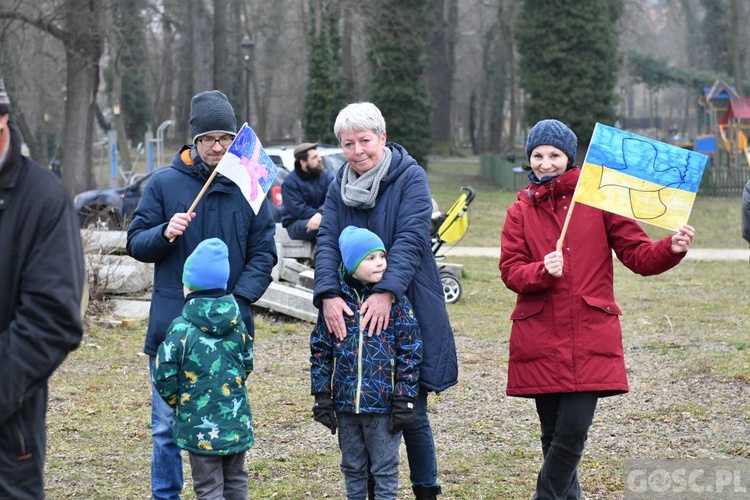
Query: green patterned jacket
point(200, 371)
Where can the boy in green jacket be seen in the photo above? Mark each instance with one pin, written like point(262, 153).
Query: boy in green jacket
point(200, 371)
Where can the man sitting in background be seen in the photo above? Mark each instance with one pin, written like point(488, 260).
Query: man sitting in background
point(304, 191)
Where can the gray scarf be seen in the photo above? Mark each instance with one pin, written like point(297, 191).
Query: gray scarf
point(360, 191)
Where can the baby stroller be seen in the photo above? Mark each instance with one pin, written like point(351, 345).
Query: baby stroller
point(449, 228)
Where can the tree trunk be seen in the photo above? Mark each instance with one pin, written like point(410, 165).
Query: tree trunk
point(81, 35)
point(506, 27)
point(441, 66)
point(35, 151)
point(84, 47)
point(347, 57)
point(736, 47)
point(221, 46)
point(123, 145)
point(185, 74)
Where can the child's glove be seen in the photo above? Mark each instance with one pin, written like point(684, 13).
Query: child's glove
point(402, 413)
point(323, 411)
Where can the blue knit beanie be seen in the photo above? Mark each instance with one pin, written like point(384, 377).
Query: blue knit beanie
point(356, 243)
point(552, 133)
point(210, 112)
point(207, 268)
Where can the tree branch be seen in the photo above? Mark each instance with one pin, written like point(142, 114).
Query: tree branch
point(39, 22)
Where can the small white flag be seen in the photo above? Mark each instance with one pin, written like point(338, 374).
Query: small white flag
point(247, 165)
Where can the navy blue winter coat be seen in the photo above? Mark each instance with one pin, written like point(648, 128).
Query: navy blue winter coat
point(42, 279)
point(401, 217)
point(303, 195)
point(222, 213)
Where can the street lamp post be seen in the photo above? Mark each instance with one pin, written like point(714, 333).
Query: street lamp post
point(247, 47)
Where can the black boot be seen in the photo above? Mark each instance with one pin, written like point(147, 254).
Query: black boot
point(426, 492)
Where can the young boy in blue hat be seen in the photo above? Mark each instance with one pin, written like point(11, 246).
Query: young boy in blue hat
point(200, 371)
point(366, 385)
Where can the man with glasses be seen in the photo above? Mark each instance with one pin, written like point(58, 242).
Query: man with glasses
point(164, 233)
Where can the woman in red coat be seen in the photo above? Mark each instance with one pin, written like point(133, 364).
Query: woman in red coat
point(566, 342)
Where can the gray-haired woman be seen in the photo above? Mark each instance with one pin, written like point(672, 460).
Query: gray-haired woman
point(383, 189)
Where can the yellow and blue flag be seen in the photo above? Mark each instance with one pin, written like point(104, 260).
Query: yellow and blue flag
point(640, 178)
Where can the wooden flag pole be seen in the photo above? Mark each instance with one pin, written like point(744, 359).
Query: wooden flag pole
point(203, 191)
point(565, 225)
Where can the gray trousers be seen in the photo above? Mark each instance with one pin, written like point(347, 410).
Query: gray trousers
point(364, 439)
point(218, 477)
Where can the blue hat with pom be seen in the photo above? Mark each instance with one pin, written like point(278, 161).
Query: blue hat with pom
point(552, 133)
point(356, 243)
point(207, 268)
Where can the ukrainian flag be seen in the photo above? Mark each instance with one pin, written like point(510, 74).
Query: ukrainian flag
point(640, 178)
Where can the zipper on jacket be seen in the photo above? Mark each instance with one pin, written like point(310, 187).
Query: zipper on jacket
point(19, 432)
point(333, 377)
point(393, 377)
point(21, 444)
point(359, 353)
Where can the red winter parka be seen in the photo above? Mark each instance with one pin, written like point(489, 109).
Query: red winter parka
point(566, 334)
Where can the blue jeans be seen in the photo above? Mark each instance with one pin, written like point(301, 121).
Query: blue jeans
point(364, 440)
point(565, 420)
point(166, 461)
point(420, 446)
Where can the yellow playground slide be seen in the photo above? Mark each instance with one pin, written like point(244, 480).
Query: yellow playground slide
point(741, 142)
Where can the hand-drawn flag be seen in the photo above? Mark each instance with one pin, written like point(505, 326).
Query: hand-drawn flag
point(247, 165)
point(640, 178)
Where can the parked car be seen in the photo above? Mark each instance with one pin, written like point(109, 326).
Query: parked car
point(283, 156)
point(112, 208)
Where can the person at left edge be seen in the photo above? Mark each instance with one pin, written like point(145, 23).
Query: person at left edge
point(222, 213)
point(42, 281)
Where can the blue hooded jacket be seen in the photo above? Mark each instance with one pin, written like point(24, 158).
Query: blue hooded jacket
point(303, 195)
point(222, 213)
point(401, 217)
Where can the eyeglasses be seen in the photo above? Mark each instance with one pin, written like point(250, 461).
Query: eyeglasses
point(208, 142)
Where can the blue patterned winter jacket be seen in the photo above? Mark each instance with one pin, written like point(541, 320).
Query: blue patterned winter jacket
point(364, 373)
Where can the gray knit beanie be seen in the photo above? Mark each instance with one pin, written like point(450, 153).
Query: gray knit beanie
point(4, 100)
point(210, 112)
point(552, 133)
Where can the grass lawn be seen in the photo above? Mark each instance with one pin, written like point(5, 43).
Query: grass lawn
point(692, 320)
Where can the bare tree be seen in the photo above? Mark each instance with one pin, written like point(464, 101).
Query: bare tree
point(737, 49)
point(221, 46)
point(441, 67)
point(78, 24)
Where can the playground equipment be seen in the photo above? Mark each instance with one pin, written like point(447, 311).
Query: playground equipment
point(449, 228)
point(728, 120)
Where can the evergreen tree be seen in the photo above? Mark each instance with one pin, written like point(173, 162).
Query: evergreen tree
point(715, 29)
point(136, 104)
point(569, 62)
point(323, 99)
point(396, 53)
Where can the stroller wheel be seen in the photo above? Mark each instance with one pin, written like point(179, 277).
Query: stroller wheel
point(451, 287)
